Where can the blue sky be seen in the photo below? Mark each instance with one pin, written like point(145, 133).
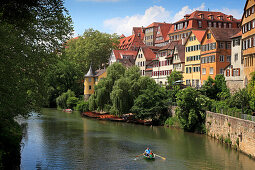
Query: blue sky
point(119, 16)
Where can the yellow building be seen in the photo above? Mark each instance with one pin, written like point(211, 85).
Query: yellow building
point(91, 79)
point(192, 68)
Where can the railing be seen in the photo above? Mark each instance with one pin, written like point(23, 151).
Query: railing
point(248, 117)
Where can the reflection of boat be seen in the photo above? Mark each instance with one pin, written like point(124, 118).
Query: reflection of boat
point(149, 157)
point(67, 110)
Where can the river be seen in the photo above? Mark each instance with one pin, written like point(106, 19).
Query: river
point(58, 140)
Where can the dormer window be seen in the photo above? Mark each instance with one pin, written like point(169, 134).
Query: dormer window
point(230, 17)
point(201, 15)
point(211, 16)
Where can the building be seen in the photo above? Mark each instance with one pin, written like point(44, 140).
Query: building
point(216, 51)
point(144, 57)
point(163, 63)
point(179, 58)
point(151, 31)
point(126, 57)
point(162, 37)
point(91, 79)
point(248, 39)
point(132, 42)
point(234, 75)
point(192, 75)
point(138, 31)
point(201, 20)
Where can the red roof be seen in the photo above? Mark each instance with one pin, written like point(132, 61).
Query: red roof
point(148, 53)
point(130, 42)
point(171, 45)
point(199, 34)
point(192, 20)
point(154, 24)
point(221, 34)
point(237, 35)
point(163, 32)
point(120, 53)
point(122, 36)
point(138, 31)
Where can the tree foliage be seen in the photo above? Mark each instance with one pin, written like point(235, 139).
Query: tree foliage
point(92, 47)
point(62, 100)
point(216, 89)
point(151, 103)
point(190, 112)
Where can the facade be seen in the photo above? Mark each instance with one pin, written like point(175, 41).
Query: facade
point(162, 37)
point(163, 63)
point(192, 75)
point(150, 33)
point(234, 72)
point(216, 51)
point(144, 57)
point(179, 58)
point(126, 57)
point(91, 79)
point(248, 39)
point(201, 20)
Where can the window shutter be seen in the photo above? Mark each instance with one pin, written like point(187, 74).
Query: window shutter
point(238, 71)
point(232, 72)
point(226, 73)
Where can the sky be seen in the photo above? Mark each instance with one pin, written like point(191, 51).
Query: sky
point(120, 16)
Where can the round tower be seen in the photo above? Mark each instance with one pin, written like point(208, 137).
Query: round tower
point(89, 83)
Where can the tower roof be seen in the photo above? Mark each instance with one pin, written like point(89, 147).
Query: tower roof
point(90, 73)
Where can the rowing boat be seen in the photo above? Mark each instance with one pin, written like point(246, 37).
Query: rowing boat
point(149, 157)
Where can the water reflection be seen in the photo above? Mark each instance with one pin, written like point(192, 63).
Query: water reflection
point(58, 140)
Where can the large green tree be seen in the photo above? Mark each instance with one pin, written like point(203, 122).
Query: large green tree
point(92, 47)
point(190, 109)
point(32, 32)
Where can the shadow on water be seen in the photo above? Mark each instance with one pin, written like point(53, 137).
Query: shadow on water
point(58, 140)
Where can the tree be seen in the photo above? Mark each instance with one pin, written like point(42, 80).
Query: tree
point(105, 86)
point(32, 32)
point(251, 90)
point(173, 86)
point(216, 89)
point(92, 47)
point(121, 97)
point(63, 98)
point(173, 77)
point(189, 110)
point(152, 104)
point(241, 100)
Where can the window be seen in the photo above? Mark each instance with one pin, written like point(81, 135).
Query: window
point(227, 73)
point(221, 45)
point(200, 23)
point(228, 45)
point(236, 56)
point(211, 70)
point(187, 82)
point(90, 87)
point(229, 58)
point(209, 24)
point(222, 58)
point(90, 79)
point(203, 71)
point(221, 71)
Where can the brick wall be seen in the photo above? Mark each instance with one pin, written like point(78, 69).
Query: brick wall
point(223, 127)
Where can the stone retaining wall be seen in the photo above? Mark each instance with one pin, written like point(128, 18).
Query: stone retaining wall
point(240, 132)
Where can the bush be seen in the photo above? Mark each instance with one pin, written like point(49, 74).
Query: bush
point(82, 106)
point(172, 121)
point(62, 100)
point(72, 102)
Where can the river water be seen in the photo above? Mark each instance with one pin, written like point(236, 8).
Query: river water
point(58, 140)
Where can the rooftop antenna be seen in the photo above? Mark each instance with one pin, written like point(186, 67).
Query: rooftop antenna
point(208, 10)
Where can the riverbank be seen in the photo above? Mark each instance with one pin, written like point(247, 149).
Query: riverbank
point(128, 118)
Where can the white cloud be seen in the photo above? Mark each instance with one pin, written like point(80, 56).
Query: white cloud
point(125, 25)
point(237, 13)
point(186, 10)
point(99, 0)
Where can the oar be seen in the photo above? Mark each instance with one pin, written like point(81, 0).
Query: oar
point(160, 157)
point(139, 155)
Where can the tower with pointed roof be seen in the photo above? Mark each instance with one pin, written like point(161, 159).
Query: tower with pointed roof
point(89, 83)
